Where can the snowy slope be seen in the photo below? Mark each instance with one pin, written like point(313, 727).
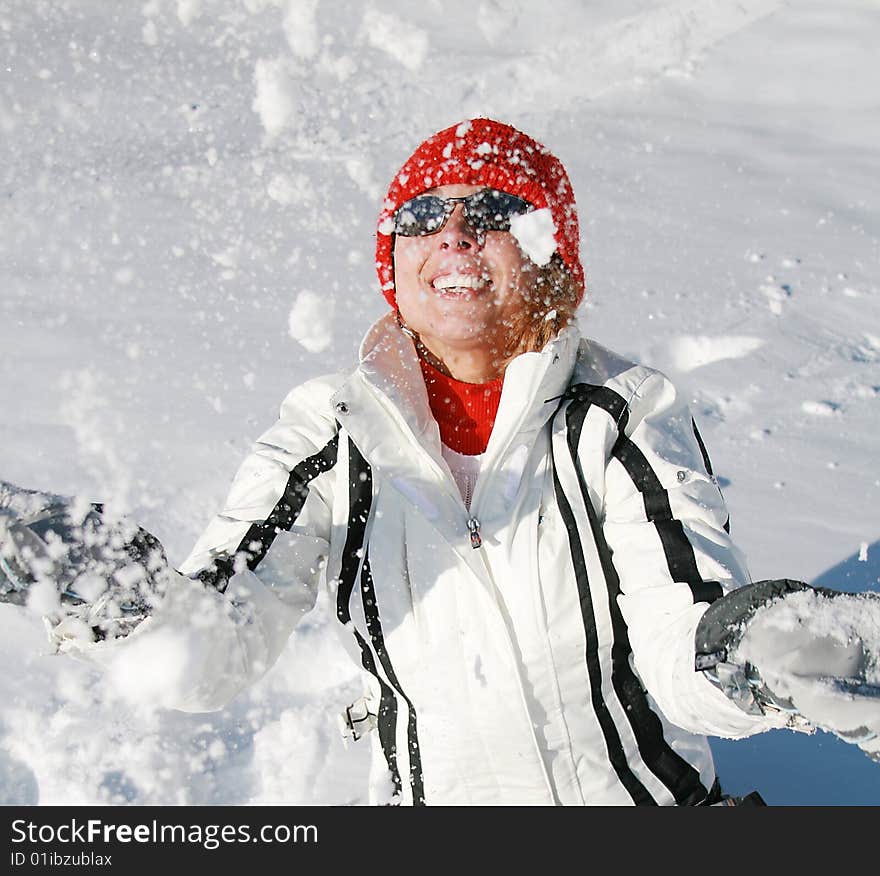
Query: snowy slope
point(177, 176)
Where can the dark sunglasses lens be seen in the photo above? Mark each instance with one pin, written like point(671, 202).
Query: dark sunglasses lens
point(422, 215)
point(490, 210)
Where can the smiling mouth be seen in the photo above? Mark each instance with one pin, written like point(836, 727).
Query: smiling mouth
point(454, 285)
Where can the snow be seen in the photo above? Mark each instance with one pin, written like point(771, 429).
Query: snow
point(153, 665)
point(300, 28)
point(799, 642)
point(176, 174)
point(394, 35)
point(273, 101)
point(311, 321)
point(189, 10)
point(534, 233)
point(690, 352)
point(820, 408)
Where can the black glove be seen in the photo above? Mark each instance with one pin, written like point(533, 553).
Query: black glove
point(810, 652)
point(93, 576)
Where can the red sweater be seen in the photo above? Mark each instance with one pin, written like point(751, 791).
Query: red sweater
point(465, 412)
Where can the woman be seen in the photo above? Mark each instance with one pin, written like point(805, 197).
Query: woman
point(520, 528)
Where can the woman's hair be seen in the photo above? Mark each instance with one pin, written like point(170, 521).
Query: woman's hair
point(550, 305)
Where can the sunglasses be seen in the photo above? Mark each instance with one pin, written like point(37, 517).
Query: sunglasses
point(486, 210)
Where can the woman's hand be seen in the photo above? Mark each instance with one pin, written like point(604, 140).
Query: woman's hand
point(813, 653)
point(821, 652)
point(90, 577)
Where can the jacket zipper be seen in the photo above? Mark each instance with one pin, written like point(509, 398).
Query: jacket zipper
point(474, 526)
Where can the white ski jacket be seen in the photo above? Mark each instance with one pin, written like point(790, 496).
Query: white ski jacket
point(537, 649)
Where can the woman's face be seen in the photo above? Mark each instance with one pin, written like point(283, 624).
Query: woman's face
point(459, 289)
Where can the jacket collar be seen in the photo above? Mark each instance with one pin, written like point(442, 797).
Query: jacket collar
point(384, 407)
point(389, 368)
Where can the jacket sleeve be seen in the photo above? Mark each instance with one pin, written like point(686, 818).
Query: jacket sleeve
point(666, 523)
point(251, 576)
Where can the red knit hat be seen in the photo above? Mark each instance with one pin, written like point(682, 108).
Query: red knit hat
point(489, 153)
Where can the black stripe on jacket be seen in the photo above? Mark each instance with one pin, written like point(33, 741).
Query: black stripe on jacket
point(616, 754)
point(360, 481)
point(680, 777)
point(680, 557)
point(259, 537)
point(708, 463)
point(371, 612)
point(360, 498)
